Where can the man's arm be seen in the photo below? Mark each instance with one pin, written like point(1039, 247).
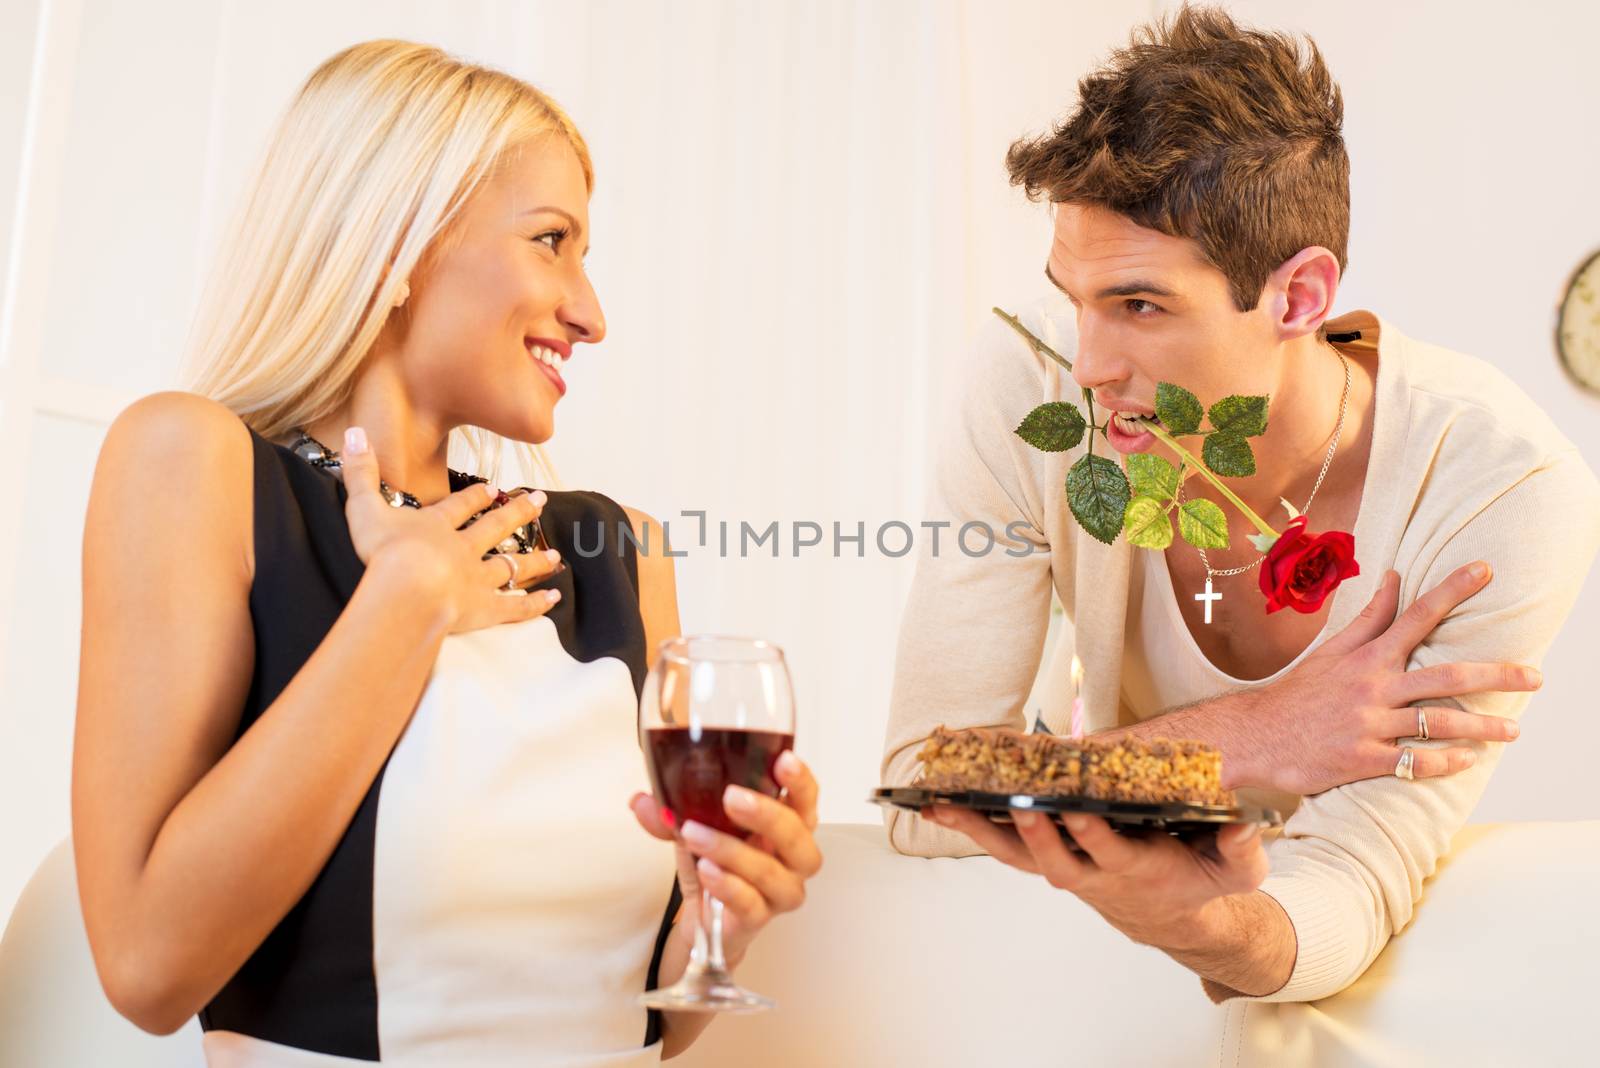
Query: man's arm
point(1246, 946)
point(1241, 945)
point(1350, 864)
point(974, 625)
point(1334, 719)
point(1199, 904)
point(1222, 721)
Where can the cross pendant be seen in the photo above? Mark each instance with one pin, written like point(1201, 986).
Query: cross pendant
point(1208, 597)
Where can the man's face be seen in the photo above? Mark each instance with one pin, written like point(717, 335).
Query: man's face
point(1152, 309)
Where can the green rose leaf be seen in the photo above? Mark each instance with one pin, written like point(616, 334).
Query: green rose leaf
point(1152, 476)
point(1228, 455)
point(1146, 523)
point(1239, 416)
point(1097, 493)
point(1177, 408)
point(1202, 524)
point(1055, 426)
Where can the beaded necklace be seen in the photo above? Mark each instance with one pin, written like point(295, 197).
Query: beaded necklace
point(524, 539)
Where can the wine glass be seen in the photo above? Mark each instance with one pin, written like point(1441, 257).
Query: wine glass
point(715, 710)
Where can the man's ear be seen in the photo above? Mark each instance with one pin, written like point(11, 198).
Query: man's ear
point(1301, 291)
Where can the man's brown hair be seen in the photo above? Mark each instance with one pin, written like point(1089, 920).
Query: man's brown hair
point(1206, 130)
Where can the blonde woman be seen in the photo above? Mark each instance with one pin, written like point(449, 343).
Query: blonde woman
point(355, 748)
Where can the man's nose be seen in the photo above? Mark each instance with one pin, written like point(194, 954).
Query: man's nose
point(1094, 365)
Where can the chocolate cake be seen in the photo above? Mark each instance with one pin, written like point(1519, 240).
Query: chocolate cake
point(997, 760)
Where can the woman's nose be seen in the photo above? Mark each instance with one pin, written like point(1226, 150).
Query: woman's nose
point(581, 313)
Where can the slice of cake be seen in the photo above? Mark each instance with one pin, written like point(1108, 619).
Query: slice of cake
point(1002, 761)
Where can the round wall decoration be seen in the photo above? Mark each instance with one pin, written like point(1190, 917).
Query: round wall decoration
point(1578, 326)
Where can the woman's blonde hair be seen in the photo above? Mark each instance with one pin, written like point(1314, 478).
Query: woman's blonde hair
point(372, 161)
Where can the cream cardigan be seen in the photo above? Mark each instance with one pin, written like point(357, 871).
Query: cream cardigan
point(1463, 466)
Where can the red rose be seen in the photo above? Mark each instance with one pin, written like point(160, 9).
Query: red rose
point(1302, 569)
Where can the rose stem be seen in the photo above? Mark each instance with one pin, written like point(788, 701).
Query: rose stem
point(1194, 464)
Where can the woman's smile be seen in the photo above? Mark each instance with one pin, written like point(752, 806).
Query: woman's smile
point(550, 354)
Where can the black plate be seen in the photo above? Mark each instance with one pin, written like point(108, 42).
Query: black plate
point(1184, 821)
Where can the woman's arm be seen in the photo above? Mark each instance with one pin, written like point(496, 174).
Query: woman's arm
point(190, 849)
point(658, 606)
point(658, 583)
point(756, 879)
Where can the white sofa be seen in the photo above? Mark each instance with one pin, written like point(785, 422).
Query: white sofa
point(53, 1013)
point(932, 963)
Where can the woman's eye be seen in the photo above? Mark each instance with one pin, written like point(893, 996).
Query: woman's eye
point(1142, 308)
point(553, 239)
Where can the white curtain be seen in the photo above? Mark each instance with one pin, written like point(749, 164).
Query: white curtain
point(801, 214)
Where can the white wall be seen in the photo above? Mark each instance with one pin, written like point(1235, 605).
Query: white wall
point(801, 213)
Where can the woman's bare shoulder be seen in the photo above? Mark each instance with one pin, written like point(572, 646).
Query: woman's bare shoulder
point(179, 461)
point(658, 588)
point(182, 424)
point(172, 437)
point(647, 531)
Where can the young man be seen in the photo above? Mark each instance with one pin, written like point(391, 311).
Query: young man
point(1201, 211)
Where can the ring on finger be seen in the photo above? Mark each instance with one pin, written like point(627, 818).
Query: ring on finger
point(511, 562)
point(1422, 724)
point(1404, 769)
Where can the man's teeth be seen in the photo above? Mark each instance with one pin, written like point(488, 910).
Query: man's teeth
point(544, 355)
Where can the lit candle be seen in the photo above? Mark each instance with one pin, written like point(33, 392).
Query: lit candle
point(1077, 702)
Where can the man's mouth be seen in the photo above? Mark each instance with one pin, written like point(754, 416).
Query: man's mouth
point(1132, 423)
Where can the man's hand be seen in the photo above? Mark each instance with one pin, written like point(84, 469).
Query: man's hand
point(1336, 717)
point(1155, 890)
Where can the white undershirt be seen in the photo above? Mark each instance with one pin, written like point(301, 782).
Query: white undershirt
point(1158, 634)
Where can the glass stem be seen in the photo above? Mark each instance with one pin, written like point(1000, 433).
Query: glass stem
point(698, 952)
point(710, 906)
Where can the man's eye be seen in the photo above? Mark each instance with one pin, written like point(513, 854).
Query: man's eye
point(1142, 308)
point(553, 238)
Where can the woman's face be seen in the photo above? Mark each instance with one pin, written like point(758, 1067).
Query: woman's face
point(507, 288)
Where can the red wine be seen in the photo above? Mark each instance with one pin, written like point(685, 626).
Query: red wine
point(690, 768)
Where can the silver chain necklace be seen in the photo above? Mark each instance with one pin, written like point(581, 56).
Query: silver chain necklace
point(1208, 597)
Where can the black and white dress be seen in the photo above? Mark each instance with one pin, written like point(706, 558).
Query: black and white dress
point(493, 901)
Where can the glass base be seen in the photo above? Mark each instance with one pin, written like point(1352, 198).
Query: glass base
point(707, 991)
